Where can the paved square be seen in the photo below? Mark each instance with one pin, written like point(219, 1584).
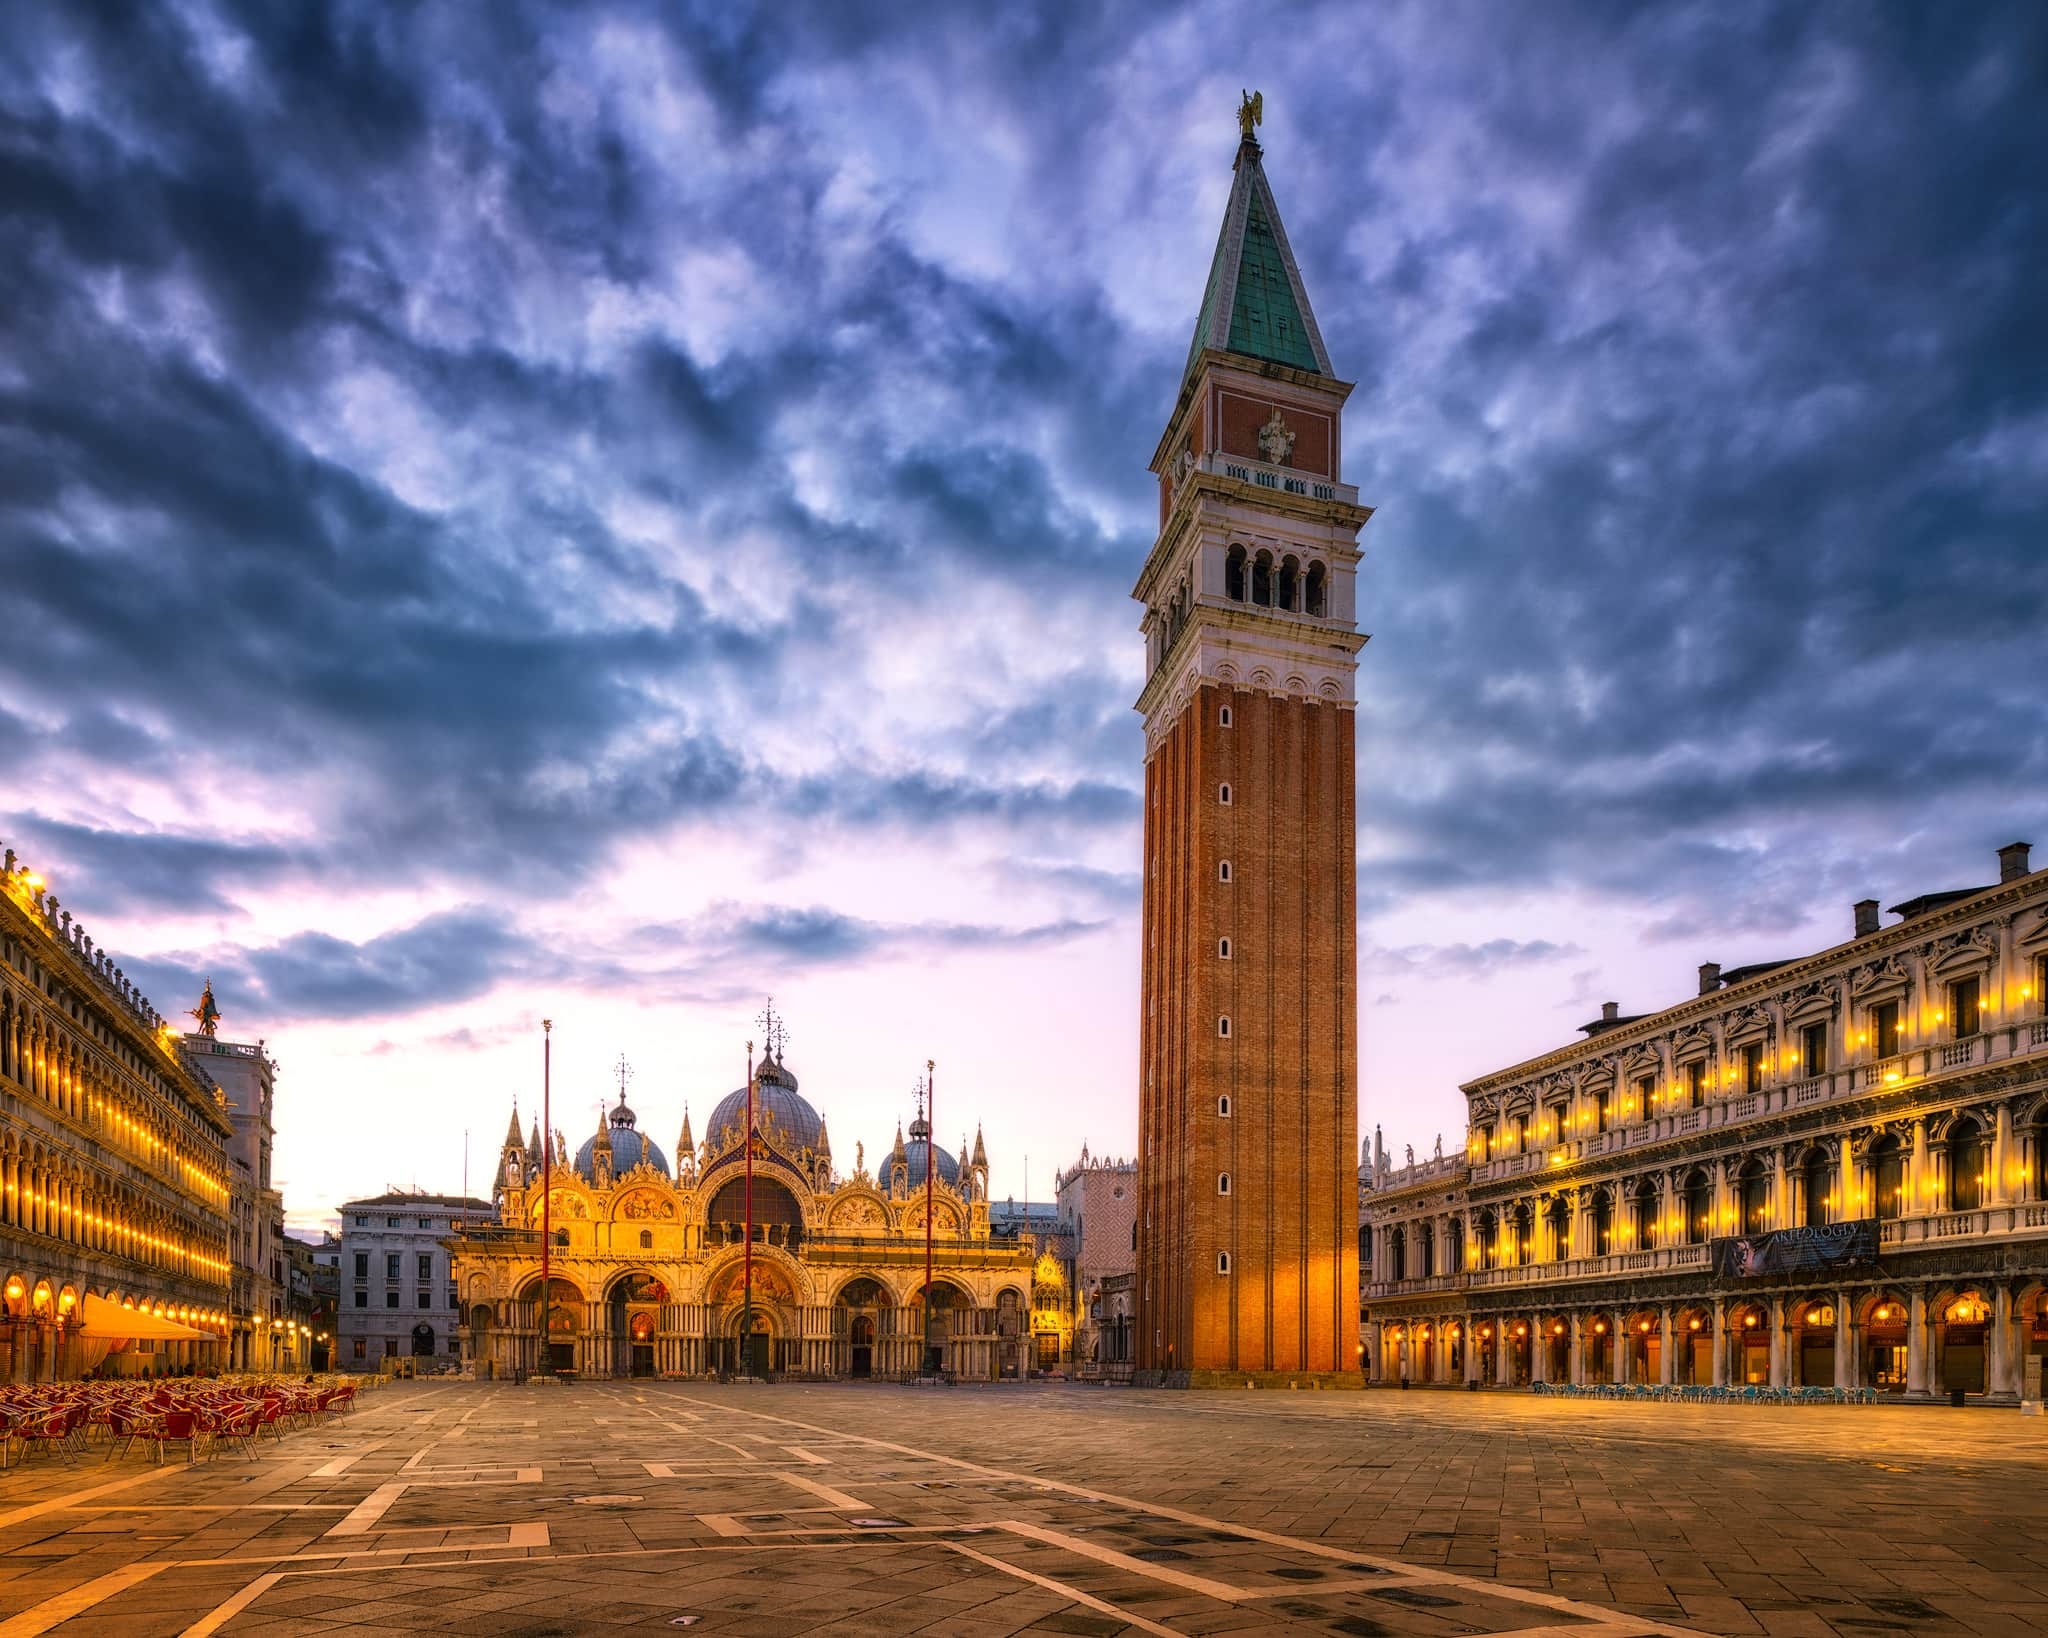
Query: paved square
point(491, 1509)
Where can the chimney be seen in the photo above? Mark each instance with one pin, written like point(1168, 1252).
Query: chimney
point(1609, 1011)
point(1866, 917)
point(2012, 861)
point(1710, 977)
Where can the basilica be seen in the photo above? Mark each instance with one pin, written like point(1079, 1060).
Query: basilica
point(650, 1271)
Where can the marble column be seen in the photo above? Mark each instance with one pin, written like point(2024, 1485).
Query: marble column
point(1577, 1363)
point(2001, 1367)
point(1847, 1335)
point(1667, 1348)
point(1917, 1351)
point(1778, 1320)
point(2002, 1193)
point(1617, 1347)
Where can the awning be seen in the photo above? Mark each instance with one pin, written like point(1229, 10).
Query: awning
point(109, 1319)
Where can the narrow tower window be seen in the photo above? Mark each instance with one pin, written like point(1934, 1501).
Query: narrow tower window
point(1223, 793)
point(1262, 579)
point(1223, 949)
point(1318, 581)
point(1223, 1106)
point(1223, 871)
point(1223, 1026)
point(1290, 585)
point(1223, 1257)
point(1222, 1182)
point(1233, 578)
point(1223, 717)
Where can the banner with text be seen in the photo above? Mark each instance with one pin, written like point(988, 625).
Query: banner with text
point(1796, 1250)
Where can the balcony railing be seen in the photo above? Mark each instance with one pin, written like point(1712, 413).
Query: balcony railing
point(1913, 1068)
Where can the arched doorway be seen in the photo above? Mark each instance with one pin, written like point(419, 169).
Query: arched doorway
point(1815, 1330)
point(635, 1310)
point(860, 1305)
point(1960, 1334)
point(422, 1341)
point(1750, 1342)
point(1694, 1347)
point(560, 1321)
point(1884, 1343)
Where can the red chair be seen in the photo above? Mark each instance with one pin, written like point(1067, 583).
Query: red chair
point(180, 1427)
point(238, 1426)
point(51, 1428)
point(8, 1417)
point(126, 1424)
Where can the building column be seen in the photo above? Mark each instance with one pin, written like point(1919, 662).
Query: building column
point(1617, 1347)
point(2002, 1193)
point(2001, 1368)
point(1539, 1351)
point(1916, 1342)
point(1781, 1190)
point(1667, 1348)
point(1576, 1365)
point(1470, 1342)
point(1778, 1321)
point(1718, 1319)
point(1917, 1193)
point(1847, 1340)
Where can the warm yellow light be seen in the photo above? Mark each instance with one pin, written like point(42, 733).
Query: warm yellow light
point(1692, 1325)
point(1749, 1320)
point(1599, 1327)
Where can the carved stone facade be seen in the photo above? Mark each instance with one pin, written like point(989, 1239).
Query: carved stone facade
point(648, 1273)
point(1827, 1172)
point(113, 1157)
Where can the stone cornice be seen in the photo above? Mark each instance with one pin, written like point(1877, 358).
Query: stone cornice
point(2005, 899)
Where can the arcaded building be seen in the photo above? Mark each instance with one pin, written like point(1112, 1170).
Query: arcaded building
point(648, 1267)
point(1248, 1056)
point(1829, 1171)
point(114, 1156)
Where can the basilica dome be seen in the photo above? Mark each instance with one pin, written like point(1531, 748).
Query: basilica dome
point(629, 1148)
point(776, 1100)
point(914, 1151)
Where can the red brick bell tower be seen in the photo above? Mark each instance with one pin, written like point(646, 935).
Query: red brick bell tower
point(1248, 1061)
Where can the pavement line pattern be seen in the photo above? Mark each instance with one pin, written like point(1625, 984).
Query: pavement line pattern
point(1062, 1590)
point(1221, 1591)
point(824, 1492)
point(59, 1504)
point(213, 1620)
point(75, 1600)
point(1604, 1617)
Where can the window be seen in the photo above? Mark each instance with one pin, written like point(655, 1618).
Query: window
point(1967, 1161)
point(1646, 1089)
point(1233, 588)
point(1223, 1026)
point(391, 1299)
point(362, 1347)
point(426, 1222)
point(1755, 1192)
point(391, 1265)
point(1223, 949)
point(1696, 1082)
point(425, 1298)
point(1223, 1106)
point(1603, 1107)
point(1222, 1262)
point(1813, 1182)
point(362, 1299)
point(1223, 717)
point(1262, 580)
point(1813, 1050)
point(1559, 1122)
point(453, 1300)
point(1521, 1133)
point(362, 1222)
point(1645, 1214)
point(1884, 1029)
point(1223, 871)
point(1223, 794)
point(647, 1239)
point(1482, 1144)
point(1965, 1006)
point(1318, 579)
point(1888, 1177)
point(1699, 1208)
point(362, 1265)
point(1753, 1067)
point(426, 1265)
point(1290, 584)
point(1222, 1182)
point(1603, 1223)
point(392, 1222)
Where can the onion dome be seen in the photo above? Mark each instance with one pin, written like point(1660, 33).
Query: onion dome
point(776, 1102)
point(628, 1147)
point(918, 1147)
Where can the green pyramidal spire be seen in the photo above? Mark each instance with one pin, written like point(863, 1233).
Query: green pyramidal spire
point(1254, 303)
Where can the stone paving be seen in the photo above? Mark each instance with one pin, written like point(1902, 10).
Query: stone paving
point(479, 1508)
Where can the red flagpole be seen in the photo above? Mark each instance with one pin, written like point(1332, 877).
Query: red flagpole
point(547, 1155)
point(931, 1167)
point(747, 1304)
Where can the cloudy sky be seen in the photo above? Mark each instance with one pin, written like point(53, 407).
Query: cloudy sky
point(612, 514)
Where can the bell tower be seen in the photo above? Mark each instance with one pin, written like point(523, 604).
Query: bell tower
point(1248, 1058)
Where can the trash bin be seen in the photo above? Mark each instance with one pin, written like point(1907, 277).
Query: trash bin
point(1956, 1397)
